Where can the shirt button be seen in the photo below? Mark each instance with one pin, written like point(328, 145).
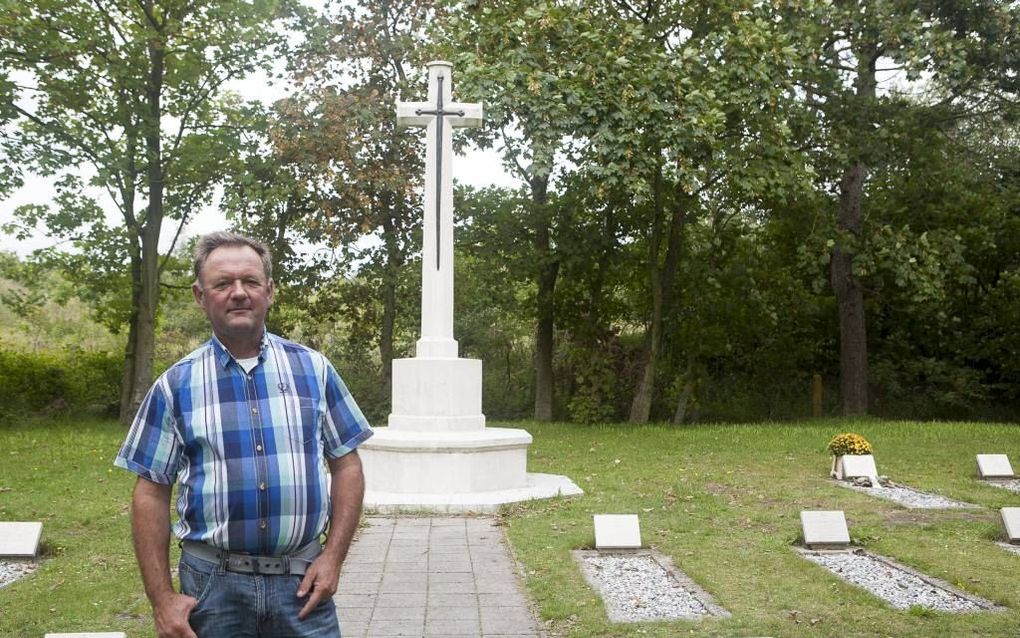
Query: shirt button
point(258, 448)
point(263, 524)
point(254, 411)
point(262, 486)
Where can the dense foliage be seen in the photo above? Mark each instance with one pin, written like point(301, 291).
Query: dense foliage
point(717, 201)
point(123, 104)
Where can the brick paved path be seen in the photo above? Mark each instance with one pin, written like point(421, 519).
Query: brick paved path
point(438, 576)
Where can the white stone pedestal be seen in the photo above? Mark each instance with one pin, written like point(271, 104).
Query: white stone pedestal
point(437, 454)
point(437, 395)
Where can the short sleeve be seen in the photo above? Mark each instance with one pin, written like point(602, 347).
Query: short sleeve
point(152, 448)
point(345, 427)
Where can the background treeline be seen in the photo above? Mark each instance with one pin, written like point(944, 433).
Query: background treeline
point(717, 201)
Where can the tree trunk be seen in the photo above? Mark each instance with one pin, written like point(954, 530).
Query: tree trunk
point(141, 344)
point(145, 273)
point(548, 270)
point(662, 281)
point(596, 283)
point(127, 377)
point(853, 343)
point(680, 415)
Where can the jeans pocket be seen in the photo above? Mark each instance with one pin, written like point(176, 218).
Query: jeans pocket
point(196, 582)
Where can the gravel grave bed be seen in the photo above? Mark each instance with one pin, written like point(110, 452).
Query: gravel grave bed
point(909, 497)
point(899, 586)
point(12, 570)
point(637, 587)
point(1012, 485)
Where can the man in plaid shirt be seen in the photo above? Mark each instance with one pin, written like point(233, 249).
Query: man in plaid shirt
point(246, 426)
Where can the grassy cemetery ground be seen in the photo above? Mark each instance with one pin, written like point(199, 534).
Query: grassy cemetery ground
point(721, 500)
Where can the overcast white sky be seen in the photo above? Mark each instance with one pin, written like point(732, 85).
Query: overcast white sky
point(477, 168)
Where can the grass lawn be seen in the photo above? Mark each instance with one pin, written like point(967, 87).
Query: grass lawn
point(722, 501)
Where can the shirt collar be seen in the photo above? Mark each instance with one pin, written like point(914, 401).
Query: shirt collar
point(223, 356)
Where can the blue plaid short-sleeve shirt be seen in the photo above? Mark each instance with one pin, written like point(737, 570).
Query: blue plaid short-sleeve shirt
point(247, 449)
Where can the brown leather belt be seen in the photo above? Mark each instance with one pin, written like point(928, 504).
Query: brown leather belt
point(295, 563)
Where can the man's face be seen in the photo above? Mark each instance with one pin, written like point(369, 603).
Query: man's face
point(234, 293)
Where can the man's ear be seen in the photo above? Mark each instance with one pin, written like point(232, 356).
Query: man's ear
point(196, 290)
point(272, 289)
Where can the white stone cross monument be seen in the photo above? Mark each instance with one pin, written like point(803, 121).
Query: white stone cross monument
point(437, 453)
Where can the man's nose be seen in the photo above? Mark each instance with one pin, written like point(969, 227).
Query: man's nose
point(237, 289)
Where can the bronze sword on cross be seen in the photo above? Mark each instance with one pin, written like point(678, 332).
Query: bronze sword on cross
point(422, 114)
point(440, 115)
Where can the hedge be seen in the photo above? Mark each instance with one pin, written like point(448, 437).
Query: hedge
point(59, 382)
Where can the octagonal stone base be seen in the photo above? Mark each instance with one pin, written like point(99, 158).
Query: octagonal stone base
point(452, 471)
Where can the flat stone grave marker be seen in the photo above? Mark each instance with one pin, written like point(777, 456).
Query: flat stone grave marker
point(88, 634)
point(825, 529)
point(617, 531)
point(992, 466)
point(855, 465)
point(1011, 523)
point(20, 540)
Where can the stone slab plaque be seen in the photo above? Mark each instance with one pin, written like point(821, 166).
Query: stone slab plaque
point(824, 529)
point(20, 539)
point(854, 465)
point(1011, 523)
point(87, 634)
point(992, 466)
point(617, 531)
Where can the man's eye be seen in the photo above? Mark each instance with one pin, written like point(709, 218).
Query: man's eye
point(221, 286)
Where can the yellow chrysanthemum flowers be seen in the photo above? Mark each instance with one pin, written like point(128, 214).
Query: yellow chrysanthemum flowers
point(849, 443)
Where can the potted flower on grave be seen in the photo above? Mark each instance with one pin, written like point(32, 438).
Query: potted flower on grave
point(846, 444)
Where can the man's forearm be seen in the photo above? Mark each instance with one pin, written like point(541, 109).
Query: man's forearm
point(150, 527)
point(347, 491)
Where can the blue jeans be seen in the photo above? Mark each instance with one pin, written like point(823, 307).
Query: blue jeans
point(236, 605)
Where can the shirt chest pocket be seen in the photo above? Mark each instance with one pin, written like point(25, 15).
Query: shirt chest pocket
point(303, 421)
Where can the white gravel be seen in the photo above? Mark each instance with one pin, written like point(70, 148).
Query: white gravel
point(895, 584)
point(12, 570)
point(635, 587)
point(909, 497)
point(1009, 484)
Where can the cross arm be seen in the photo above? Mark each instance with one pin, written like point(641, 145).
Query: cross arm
point(407, 114)
point(472, 117)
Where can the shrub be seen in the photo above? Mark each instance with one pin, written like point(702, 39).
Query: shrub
point(66, 381)
point(849, 443)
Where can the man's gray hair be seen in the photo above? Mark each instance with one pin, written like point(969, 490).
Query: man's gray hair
point(208, 243)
